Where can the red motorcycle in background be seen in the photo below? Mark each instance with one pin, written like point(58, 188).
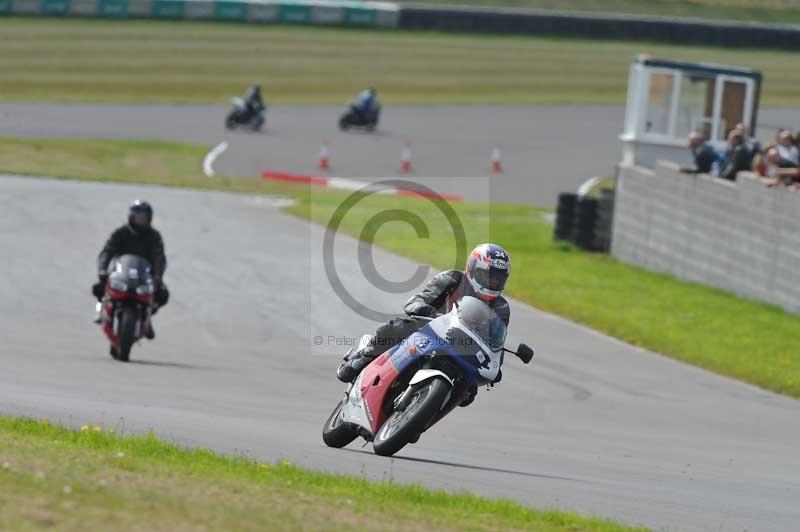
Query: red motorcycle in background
point(128, 303)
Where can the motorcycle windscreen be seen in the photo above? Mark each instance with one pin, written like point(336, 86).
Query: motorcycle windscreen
point(132, 270)
point(483, 321)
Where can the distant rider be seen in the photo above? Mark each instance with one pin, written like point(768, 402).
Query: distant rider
point(137, 237)
point(485, 276)
point(366, 105)
point(252, 100)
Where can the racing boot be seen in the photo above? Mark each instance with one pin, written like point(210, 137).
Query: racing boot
point(98, 308)
point(350, 369)
point(469, 396)
point(150, 333)
point(356, 362)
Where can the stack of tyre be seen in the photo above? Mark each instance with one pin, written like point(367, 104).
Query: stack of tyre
point(585, 221)
point(565, 214)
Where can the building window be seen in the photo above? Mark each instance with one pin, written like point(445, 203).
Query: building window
point(659, 105)
point(695, 106)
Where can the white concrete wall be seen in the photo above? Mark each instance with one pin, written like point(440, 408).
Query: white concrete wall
point(742, 237)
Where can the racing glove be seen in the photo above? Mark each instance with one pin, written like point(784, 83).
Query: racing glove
point(99, 288)
point(421, 309)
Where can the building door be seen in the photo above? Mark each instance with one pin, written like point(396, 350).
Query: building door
point(733, 105)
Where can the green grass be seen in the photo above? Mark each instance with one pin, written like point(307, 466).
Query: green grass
point(748, 340)
point(751, 341)
point(91, 479)
point(186, 62)
point(769, 11)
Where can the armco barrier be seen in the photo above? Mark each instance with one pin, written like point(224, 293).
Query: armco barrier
point(317, 12)
point(598, 26)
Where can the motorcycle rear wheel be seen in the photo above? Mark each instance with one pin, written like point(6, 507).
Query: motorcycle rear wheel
point(336, 433)
point(127, 326)
point(404, 426)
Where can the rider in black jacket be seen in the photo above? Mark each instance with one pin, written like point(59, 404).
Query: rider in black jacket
point(488, 267)
point(253, 100)
point(137, 237)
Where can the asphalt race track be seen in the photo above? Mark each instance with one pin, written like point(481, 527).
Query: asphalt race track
point(545, 149)
point(594, 425)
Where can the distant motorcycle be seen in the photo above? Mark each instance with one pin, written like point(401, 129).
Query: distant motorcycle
point(243, 116)
point(127, 306)
point(353, 117)
point(407, 389)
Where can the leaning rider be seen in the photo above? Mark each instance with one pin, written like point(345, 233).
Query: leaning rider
point(252, 99)
point(366, 103)
point(488, 268)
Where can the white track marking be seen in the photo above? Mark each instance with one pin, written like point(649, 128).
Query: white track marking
point(211, 156)
point(587, 185)
point(352, 184)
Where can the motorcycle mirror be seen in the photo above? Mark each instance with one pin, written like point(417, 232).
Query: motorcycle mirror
point(524, 353)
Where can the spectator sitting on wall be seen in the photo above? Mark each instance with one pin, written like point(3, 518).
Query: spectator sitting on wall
point(763, 162)
point(787, 148)
point(775, 170)
point(703, 153)
point(753, 145)
point(737, 158)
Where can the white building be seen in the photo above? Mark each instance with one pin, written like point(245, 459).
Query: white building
point(667, 100)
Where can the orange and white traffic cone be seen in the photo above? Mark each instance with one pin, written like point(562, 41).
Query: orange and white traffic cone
point(405, 159)
point(324, 157)
point(497, 166)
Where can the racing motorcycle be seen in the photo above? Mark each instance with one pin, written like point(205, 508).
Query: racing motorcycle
point(124, 312)
point(407, 389)
point(242, 116)
point(367, 120)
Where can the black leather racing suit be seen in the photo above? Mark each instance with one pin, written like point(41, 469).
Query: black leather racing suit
point(438, 296)
point(253, 100)
point(145, 243)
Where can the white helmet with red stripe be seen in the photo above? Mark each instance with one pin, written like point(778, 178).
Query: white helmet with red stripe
point(488, 267)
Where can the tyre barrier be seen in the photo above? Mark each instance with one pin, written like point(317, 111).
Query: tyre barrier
point(598, 26)
point(426, 17)
point(585, 221)
point(313, 12)
point(565, 213)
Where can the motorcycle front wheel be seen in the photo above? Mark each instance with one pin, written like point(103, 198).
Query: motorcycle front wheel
point(337, 433)
point(230, 121)
point(127, 328)
point(257, 124)
point(404, 426)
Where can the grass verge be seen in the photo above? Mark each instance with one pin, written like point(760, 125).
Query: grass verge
point(744, 339)
point(75, 60)
point(91, 479)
